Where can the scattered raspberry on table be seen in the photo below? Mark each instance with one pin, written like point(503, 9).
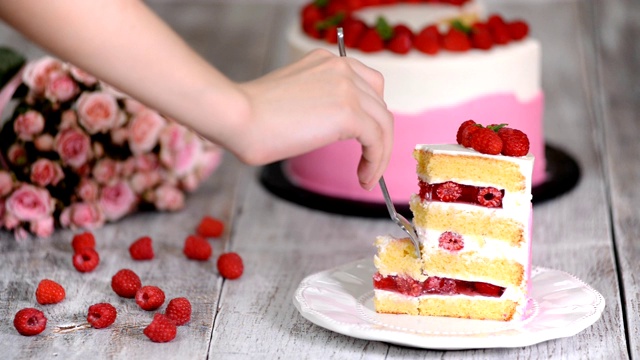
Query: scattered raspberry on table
point(161, 329)
point(179, 311)
point(210, 227)
point(197, 248)
point(30, 321)
point(149, 297)
point(142, 249)
point(83, 240)
point(101, 315)
point(86, 260)
point(126, 283)
point(230, 265)
point(49, 292)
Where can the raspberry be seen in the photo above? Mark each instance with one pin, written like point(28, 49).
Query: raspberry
point(428, 40)
point(197, 248)
point(514, 142)
point(126, 283)
point(371, 41)
point(210, 227)
point(481, 37)
point(490, 197)
point(499, 30)
point(49, 292)
point(518, 29)
point(402, 40)
point(463, 127)
point(141, 249)
point(83, 240)
point(466, 132)
point(451, 241)
point(179, 311)
point(449, 191)
point(456, 40)
point(408, 287)
point(486, 141)
point(486, 289)
point(230, 266)
point(149, 297)
point(30, 321)
point(161, 329)
point(86, 259)
point(101, 315)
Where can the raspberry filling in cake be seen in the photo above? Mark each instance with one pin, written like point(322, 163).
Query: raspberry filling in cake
point(435, 286)
point(453, 192)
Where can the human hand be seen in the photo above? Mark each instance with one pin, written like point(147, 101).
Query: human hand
point(314, 102)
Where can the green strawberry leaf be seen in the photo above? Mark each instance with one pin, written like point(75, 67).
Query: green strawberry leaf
point(497, 127)
point(320, 3)
point(384, 29)
point(330, 21)
point(459, 25)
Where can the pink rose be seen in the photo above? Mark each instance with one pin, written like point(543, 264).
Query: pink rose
point(179, 149)
point(88, 190)
point(97, 111)
point(117, 200)
point(28, 124)
point(133, 106)
point(45, 172)
point(144, 129)
point(127, 167)
point(9, 220)
point(17, 155)
point(190, 182)
point(209, 160)
point(42, 227)
point(6, 184)
point(105, 171)
point(73, 146)
point(147, 162)
point(29, 203)
point(142, 181)
point(82, 76)
point(36, 73)
point(169, 198)
point(60, 87)
point(84, 215)
point(68, 119)
point(43, 142)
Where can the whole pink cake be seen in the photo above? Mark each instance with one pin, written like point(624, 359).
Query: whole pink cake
point(442, 61)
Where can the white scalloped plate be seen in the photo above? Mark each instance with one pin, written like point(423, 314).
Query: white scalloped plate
point(340, 300)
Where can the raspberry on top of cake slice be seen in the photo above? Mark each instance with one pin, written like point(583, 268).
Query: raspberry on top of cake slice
point(473, 218)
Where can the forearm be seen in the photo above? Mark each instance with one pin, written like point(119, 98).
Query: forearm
point(128, 46)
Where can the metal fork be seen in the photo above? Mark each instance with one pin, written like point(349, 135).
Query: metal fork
point(400, 220)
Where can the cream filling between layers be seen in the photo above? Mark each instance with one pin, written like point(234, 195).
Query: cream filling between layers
point(509, 294)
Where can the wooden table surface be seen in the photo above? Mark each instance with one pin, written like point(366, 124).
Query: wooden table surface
point(591, 78)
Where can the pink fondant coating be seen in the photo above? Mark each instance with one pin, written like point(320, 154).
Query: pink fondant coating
point(331, 170)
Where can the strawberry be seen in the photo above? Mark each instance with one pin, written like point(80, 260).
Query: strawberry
point(126, 283)
point(449, 191)
point(428, 40)
point(101, 315)
point(467, 132)
point(353, 32)
point(142, 249)
point(311, 14)
point(230, 266)
point(498, 29)
point(456, 40)
point(83, 240)
point(149, 297)
point(514, 142)
point(451, 241)
point(486, 289)
point(518, 29)
point(331, 34)
point(481, 37)
point(402, 40)
point(489, 197)
point(30, 321)
point(461, 129)
point(161, 329)
point(179, 311)
point(86, 260)
point(371, 41)
point(486, 141)
point(49, 292)
point(210, 227)
point(197, 248)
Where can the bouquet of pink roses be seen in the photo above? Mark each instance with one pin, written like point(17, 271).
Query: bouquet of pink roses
point(76, 153)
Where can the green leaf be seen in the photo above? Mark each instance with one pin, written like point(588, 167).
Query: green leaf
point(496, 128)
point(320, 3)
point(459, 25)
point(384, 29)
point(330, 21)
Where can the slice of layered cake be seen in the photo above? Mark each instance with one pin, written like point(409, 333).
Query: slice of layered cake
point(473, 218)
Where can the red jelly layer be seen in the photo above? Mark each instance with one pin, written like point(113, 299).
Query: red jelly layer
point(468, 194)
point(435, 286)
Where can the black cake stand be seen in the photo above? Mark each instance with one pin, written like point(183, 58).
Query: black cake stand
point(563, 173)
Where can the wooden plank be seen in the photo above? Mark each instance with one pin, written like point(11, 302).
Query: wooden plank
point(619, 58)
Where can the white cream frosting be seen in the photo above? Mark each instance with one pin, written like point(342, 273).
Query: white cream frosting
point(415, 81)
